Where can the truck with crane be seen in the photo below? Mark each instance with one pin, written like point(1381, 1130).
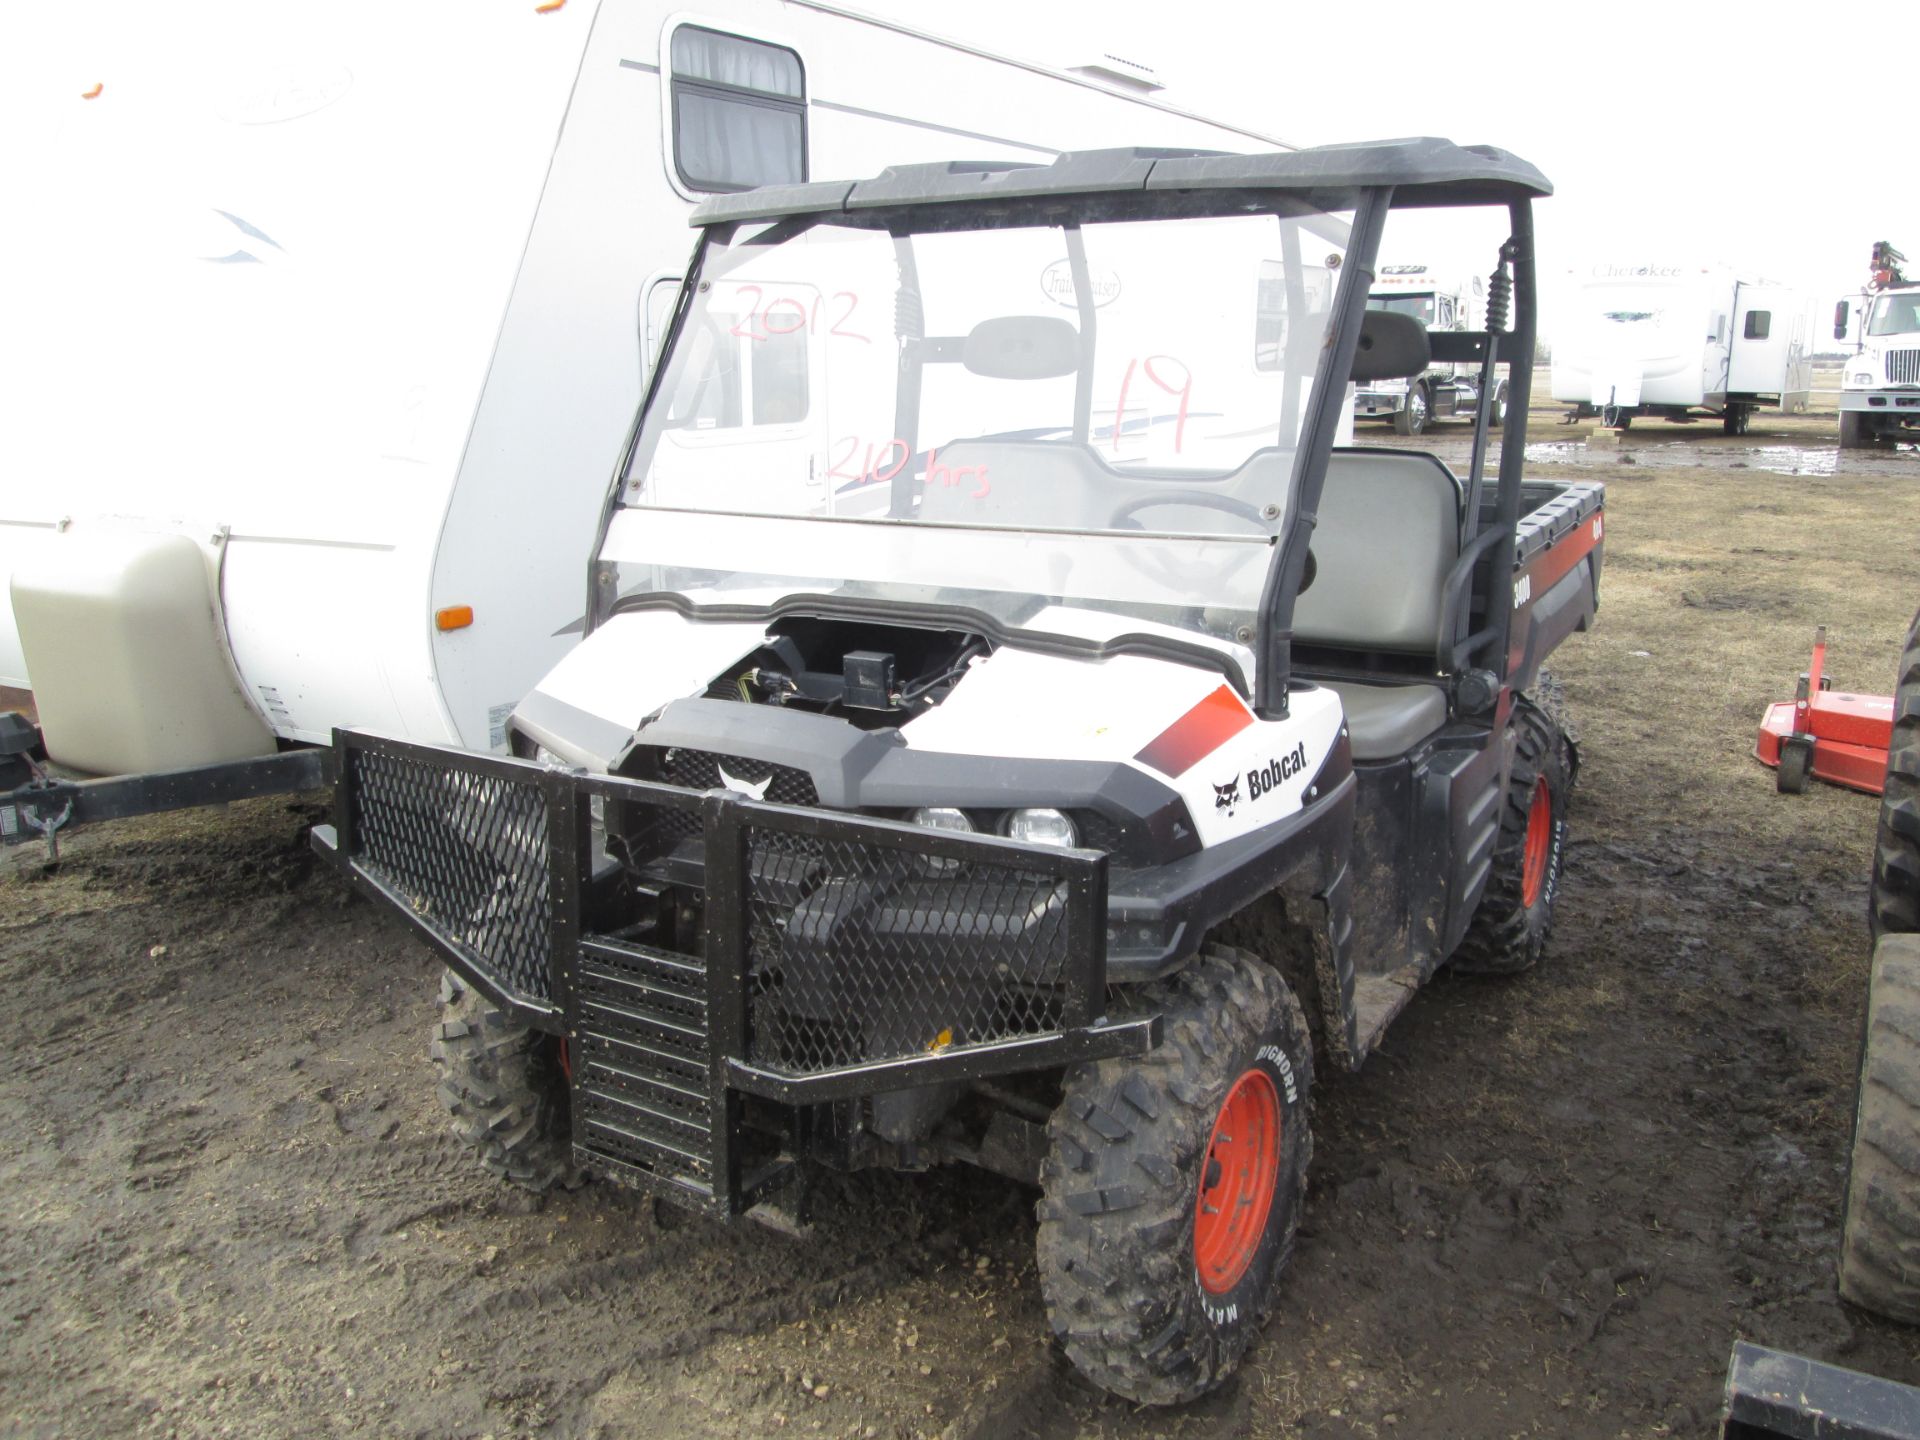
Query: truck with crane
point(1880, 381)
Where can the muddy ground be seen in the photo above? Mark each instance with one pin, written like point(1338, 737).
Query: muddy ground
point(228, 1204)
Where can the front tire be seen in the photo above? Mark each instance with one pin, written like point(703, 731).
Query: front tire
point(1173, 1184)
point(502, 1082)
point(1509, 930)
point(1411, 418)
point(1855, 433)
point(1882, 1228)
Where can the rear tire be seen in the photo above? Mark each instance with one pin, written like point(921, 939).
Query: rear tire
point(1893, 901)
point(1881, 1235)
point(502, 1082)
point(1509, 930)
point(1736, 419)
point(1155, 1295)
point(1497, 412)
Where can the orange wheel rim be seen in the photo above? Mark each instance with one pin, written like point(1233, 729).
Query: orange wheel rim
point(1533, 872)
point(1237, 1179)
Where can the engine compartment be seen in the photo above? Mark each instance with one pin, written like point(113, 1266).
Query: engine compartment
point(873, 675)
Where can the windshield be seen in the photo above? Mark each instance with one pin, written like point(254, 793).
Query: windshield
point(1420, 307)
point(1056, 424)
point(1895, 315)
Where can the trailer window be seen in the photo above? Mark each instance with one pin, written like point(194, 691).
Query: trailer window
point(1284, 291)
point(732, 384)
point(739, 112)
point(1759, 324)
point(779, 379)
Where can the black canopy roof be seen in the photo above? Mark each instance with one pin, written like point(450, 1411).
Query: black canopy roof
point(1423, 171)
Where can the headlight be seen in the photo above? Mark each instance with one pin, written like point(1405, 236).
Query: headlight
point(1042, 827)
point(1860, 377)
point(943, 817)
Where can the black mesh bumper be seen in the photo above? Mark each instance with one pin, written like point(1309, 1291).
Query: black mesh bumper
point(839, 955)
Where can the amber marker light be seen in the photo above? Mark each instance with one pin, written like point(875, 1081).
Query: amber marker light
point(94, 93)
point(549, 7)
point(454, 617)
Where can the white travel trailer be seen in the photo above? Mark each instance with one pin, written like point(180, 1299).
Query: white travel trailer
point(1674, 340)
point(333, 360)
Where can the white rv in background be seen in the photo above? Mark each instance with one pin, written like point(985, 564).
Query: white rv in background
point(1674, 341)
point(316, 402)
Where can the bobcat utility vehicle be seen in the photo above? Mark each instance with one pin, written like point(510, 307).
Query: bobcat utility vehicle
point(1008, 729)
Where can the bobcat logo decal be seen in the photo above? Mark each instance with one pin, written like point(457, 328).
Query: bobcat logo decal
point(752, 789)
point(1225, 797)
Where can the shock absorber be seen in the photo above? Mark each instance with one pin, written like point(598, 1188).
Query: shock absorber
point(1500, 291)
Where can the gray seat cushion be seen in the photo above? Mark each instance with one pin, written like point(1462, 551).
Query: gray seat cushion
point(1387, 534)
point(1385, 721)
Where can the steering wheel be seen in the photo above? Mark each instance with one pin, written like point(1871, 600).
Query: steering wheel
point(1122, 519)
point(1155, 566)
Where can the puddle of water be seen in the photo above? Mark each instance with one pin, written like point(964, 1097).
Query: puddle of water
point(1558, 452)
point(1796, 460)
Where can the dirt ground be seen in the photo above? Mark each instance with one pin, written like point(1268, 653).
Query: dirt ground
point(229, 1205)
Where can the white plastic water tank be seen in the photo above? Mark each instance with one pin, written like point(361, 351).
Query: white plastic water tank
point(125, 650)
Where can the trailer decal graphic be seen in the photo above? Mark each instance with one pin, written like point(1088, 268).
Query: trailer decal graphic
point(1197, 734)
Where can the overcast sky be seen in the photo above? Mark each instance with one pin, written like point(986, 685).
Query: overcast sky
point(1676, 132)
point(1757, 135)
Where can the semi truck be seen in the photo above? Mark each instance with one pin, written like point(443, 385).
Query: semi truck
point(324, 305)
point(1674, 342)
point(1880, 381)
point(1445, 391)
point(1056, 773)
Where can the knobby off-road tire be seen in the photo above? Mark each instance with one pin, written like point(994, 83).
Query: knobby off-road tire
point(501, 1081)
point(1550, 697)
point(1509, 930)
point(1880, 1244)
point(1893, 902)
point(1154, 1295)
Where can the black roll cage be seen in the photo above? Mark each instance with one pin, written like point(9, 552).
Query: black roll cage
point(1472, 588)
